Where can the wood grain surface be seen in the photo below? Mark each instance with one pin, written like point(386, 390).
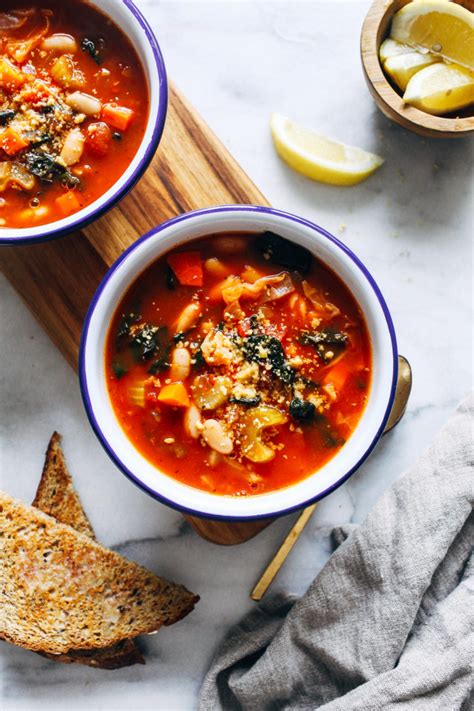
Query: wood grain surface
point(374, 30)
point(192, 169)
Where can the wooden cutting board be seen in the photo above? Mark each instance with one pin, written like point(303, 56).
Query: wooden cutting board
point(191, 169)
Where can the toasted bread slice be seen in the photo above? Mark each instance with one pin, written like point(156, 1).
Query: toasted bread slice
point(61, 590)
point(57, 497)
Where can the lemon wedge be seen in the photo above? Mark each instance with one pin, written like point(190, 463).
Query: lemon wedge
point(437, 26)
point(391, 48)
point(440, 89)
point(321, 158)
point(401, 67)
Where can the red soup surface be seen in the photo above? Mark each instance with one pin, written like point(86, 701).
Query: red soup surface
point(238, 364)
point(73, 108)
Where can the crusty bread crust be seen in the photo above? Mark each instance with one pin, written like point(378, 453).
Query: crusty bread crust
point(60, 590)
point(57, 497)
point(123, 654)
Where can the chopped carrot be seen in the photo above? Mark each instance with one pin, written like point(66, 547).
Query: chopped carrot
point(12, 142)
point(188, 268)
point(174, 394)
point(11, 77)
point(118, 117)
point(337, 375)
point(68, 203)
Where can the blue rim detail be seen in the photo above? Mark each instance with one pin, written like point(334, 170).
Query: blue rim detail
point(141, 167)
point(83, 377)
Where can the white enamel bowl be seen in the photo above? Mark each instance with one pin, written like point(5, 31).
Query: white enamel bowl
point(126, 16)
point(230, 219)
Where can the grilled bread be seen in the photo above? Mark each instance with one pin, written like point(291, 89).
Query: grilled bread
point(57, 497)
point(60, 590)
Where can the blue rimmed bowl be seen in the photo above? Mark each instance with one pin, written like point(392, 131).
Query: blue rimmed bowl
point(128, 17)
point(235, 219)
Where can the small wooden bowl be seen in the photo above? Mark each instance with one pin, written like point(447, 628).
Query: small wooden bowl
point(374, 30)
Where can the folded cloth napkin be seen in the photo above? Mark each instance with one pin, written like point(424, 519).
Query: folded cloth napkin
point(389, 621)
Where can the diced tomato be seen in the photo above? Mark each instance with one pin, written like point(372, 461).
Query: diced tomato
point(68, 203)
point(12, 142)
point(11, 77)
point(118, 117)
point(188, 268)
point(98, 139)
point(174, 394)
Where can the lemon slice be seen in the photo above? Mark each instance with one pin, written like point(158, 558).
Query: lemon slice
point(438, 26)
point(391, 48)
point(440, 89)
point(321, 158)
point(401, 67)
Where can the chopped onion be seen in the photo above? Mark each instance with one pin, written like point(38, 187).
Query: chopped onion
point(323, 308)
point(15, 175)
point(276, 287)
point(20, 49)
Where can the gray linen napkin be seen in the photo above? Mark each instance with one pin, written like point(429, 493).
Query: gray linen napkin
point(389, 621)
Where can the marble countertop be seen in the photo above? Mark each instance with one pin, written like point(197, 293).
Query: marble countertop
point(410, 223)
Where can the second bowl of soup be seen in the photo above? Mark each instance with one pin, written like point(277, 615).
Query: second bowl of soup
point(83, 101)
point(238, 362)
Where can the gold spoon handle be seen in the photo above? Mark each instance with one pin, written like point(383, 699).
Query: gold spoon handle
point(404, 382)
point(277, 561)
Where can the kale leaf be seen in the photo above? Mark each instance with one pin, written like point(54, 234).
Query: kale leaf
point(246, 401)
point(147, 340)
point(89, 46)
point(328, 339)
point(268, 349)
point(283, 252)
point(302, 410)
point(126, 323)
point(6, 116)
point(46, 168)
point(37, 138)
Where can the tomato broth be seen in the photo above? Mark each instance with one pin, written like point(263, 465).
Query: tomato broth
point(73, 109)
point(239, 364)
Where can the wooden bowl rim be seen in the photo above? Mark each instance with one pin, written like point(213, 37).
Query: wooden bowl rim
point(383, 90)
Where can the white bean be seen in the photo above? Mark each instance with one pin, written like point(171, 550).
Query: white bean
point(188, 317)
point(215, 267)
point(73, 147)
point(180, 364)
point(192, 422)
point(59, 43)
point(84, 103)
point(216, 437)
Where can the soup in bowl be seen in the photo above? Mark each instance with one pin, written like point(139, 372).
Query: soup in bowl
point(238, 362)
point(82, 107)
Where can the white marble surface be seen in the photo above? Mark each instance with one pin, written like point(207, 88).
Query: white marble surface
point(411, 223)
